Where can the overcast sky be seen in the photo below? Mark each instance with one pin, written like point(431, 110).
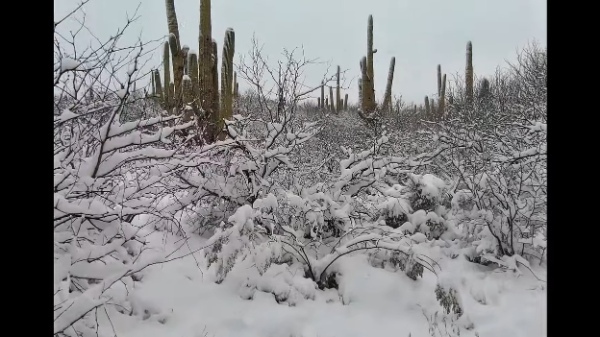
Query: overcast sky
point(419, 33)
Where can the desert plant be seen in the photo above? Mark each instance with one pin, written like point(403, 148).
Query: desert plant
point(366, 83)
point(108, 170)
point(469, 73)
point(201, 93)
point(387, 98)
point(227, 84)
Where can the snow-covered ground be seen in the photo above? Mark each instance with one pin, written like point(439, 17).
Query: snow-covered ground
point(183, 301)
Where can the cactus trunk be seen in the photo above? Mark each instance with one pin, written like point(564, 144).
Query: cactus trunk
point(370, 52)
point(442, 99)
point(177, 57)
point(193, 73)
point(331, 99)
point(167, 75)
point(369, 78)
point(368, 99)
point(235, 86)
point(206, 65)
point(158, 84)
point(469, 73)
point(360, 93)
point(226, 109)
point(346, 102)
point(439, 80)
point(387, 98)
point(322, 94)
point(215, 91)
point(337, 91)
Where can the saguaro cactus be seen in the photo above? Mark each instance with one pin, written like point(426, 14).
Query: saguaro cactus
point(215, 83)
point(167, 99)
point(442, 98)
point(152, 85)
point(227, 77)
point(322, 94)
point(181, 62)
point(337, 91)
point(441, 92)
point(360, 91)
point(206, 60)
point(368, 97)
point(484, 88)
point(236, 92)
point(201, 69)
point(370, 52)
point(439, 79)
point(469, 73)
point(157, 84)
point(192, 71)
point(427, 108)
point(177, 55)
point(332, 99)
point(346, 102)
point(387, 98)
point(368, 104)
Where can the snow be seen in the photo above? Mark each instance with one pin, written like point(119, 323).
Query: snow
point(243, 215)
point(121, 93)
point(259, 235)
point(370, 302)
point(67, 64)
point(67, 115)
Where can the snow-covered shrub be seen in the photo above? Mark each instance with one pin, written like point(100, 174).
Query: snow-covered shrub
point(427, 192)
point(395, 260)
point(284, 228)
point(109, 174)
point(498, 157)
point(449, 300)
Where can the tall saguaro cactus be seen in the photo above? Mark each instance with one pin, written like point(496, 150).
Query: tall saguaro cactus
point(215, 84)
point(158, 91)
point(236, 86)
point(205, 58)
point(360, 90)
point(387, 98)
point(442, 98)
point(177, 55)
point(370, 52)
point(368, 97)
point(192, 70)
point(367, 83)
point(441, 91)
point(323, 95)
point(346, 102)
point(331, 99)
point(337, 92)
point(196, 76)
point(167, 98)
point(227, 77)
point(469, 73)
point(439, 79)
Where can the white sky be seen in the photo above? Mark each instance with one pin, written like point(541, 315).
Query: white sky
point(419, 33)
